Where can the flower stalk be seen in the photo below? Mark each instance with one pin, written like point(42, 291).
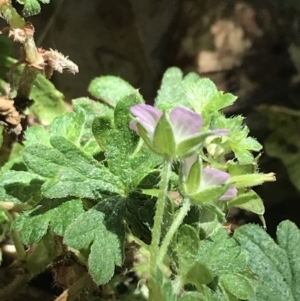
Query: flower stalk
point(186, 206)
point(159, 212)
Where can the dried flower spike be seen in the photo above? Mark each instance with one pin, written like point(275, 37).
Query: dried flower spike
point(57, 61)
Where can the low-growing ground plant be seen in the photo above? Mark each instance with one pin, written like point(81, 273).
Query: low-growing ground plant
point(122, 200)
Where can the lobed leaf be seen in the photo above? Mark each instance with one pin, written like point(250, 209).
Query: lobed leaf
point(102, 229)
point(124, 155)
point(237, 140)
point(277, 266)
point(57, 214)
point(68, 171)
point(204, 97)
point(111, 89)
point(160, 288)
point(20, 186)
point(222, 254)
point(31, 7)
point(171, 92)
point(77, 126)
point(187, 247)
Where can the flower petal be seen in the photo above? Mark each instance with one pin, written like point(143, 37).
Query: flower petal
point(185, 123)
point(212, 177)
point(229, 194)
point(132, 126)
point(187, 164)
point(148, 117)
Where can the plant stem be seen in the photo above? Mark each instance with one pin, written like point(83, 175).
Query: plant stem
point(158, 218)
point(76, 288)
point(21, 254)
point(174, 227)
point(27, 79)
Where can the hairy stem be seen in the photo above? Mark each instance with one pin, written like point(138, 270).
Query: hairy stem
point(26, 81)
point(11, 15)
point(18, 245)
point(174, 227)
point(158, 218)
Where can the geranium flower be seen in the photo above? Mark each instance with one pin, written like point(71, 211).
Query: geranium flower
point(198, 181)
point(175, 135)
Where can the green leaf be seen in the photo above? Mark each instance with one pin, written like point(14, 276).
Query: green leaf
point(37, 135)
point(102, 229)
point(160, 288)
point(249, 201)
point(192, 296)
point(125, 157)
point(288, 236)
point(68, 171)
point(111, 89)
point(139, 215)
point(204, 97)
point(277, 266)
point(187, 248)
point(211, 220)
point(171, 93)
point(198, 275)
point(238, 285)
point(32, 7)
point(77, 126)
point(20, 186)
point(222, 254)
point(191, 91)
point(56, 213)
point(283, 142)
point(4, 226)
point(237, 140)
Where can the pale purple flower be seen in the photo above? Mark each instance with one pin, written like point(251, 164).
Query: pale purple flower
point(185, 123)
point(214, 177)
point(209, 177)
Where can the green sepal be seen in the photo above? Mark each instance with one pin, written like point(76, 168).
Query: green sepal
point(163, 139)
point(210, 194)
point(189, 146)
point(249, 180)
point(194, 177)
point(143, 133)
point(249, 201)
